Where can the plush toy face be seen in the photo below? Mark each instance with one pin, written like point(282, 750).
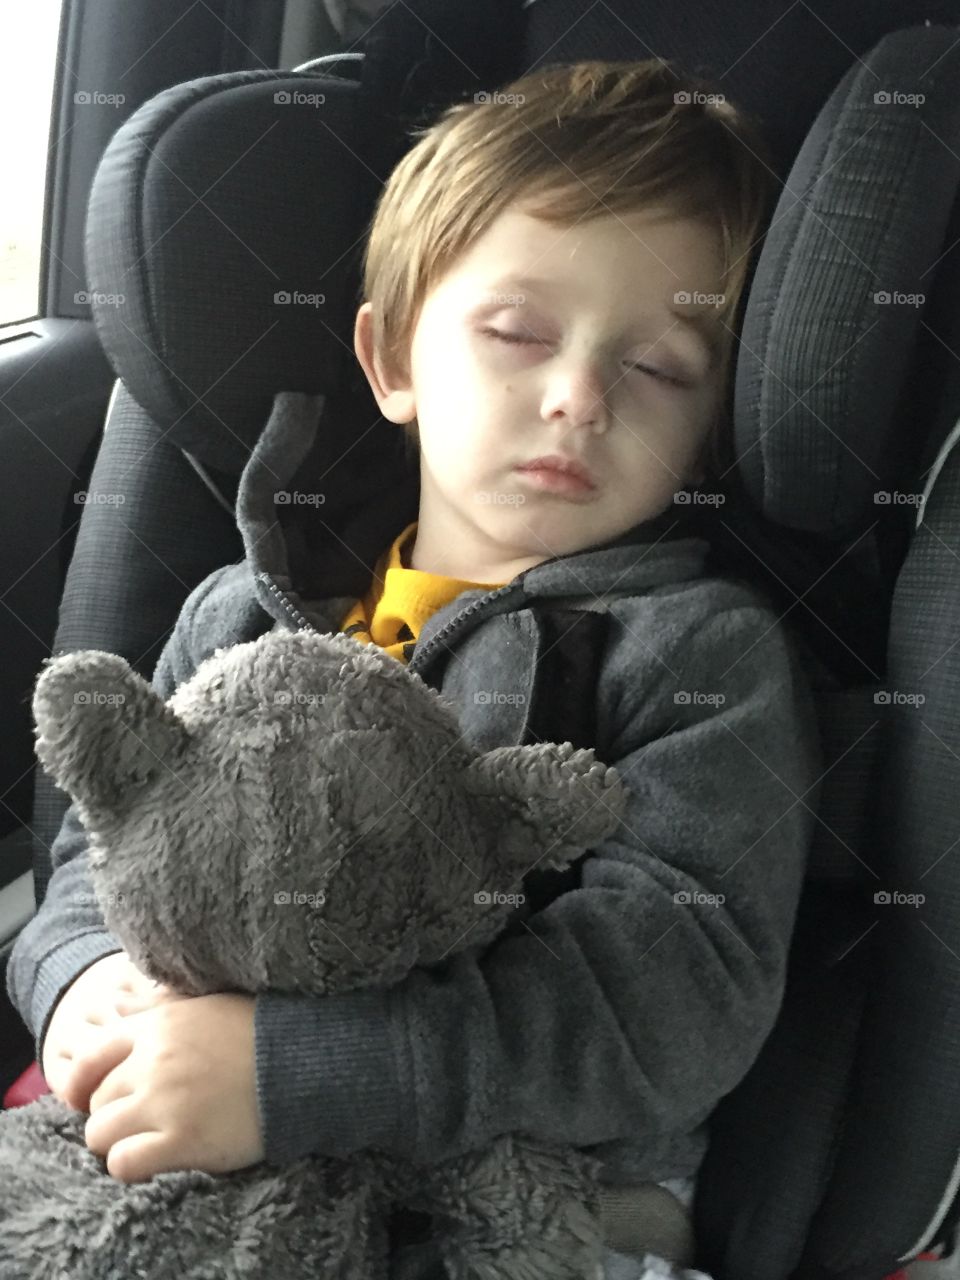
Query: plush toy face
point(303, 814)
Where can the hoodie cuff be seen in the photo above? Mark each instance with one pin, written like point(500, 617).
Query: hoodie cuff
point(329, 1075)
point(58, 970)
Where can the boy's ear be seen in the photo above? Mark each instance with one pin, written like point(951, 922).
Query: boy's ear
point(394, 397)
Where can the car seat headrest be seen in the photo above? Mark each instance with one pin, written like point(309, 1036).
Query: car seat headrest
point(836, 302)
point(220, 245)
point(228, 216)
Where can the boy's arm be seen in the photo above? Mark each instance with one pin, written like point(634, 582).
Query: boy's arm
point(68, 933)
point(620, 1012)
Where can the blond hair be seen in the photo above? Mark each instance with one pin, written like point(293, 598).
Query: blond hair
point(569, 142)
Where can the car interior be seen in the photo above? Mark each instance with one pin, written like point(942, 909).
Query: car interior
point(170, 178)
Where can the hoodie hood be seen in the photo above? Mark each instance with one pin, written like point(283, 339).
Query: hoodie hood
point(315, 517)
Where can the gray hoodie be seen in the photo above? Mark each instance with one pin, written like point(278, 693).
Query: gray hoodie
point(627, 1008)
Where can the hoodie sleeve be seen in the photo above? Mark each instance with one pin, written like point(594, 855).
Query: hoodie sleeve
point(68, 933)
point(629, 1006)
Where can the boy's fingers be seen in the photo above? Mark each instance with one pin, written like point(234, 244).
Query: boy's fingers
point(127, 1004)
point(89, 1067)
point(56, 1075)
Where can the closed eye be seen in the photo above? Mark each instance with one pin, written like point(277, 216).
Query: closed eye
point(642, 368)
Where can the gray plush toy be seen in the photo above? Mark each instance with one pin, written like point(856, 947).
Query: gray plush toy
point(302, 815)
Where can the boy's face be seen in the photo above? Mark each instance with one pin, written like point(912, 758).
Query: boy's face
point(605, 300)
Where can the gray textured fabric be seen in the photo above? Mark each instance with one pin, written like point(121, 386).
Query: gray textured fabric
point(647, 1219)
point(625, 1012)
point(121, 589)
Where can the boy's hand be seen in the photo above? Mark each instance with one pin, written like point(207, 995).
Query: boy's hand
point(91, 1006)
point(177, 1089)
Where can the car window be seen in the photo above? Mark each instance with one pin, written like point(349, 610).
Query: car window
point(28, 64)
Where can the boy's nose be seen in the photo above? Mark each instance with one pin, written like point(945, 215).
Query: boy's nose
point(579, 393)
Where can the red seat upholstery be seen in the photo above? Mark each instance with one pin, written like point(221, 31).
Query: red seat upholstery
point(26, 1088)
point(921, 1257)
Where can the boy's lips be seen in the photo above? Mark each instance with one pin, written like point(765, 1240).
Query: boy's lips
point(551, 481)
point(560, 466)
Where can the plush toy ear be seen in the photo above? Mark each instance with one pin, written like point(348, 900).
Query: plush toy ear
point(101, 730)
point(571, 799)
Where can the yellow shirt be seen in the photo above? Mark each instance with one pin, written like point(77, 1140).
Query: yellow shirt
point(400, 600)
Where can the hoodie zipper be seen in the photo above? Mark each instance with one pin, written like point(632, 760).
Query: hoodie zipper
point(421, 655)
point(304, 624)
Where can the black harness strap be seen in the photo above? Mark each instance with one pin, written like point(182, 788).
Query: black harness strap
point(564, 710)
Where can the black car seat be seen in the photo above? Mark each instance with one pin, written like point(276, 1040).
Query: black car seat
point(837, 1155)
